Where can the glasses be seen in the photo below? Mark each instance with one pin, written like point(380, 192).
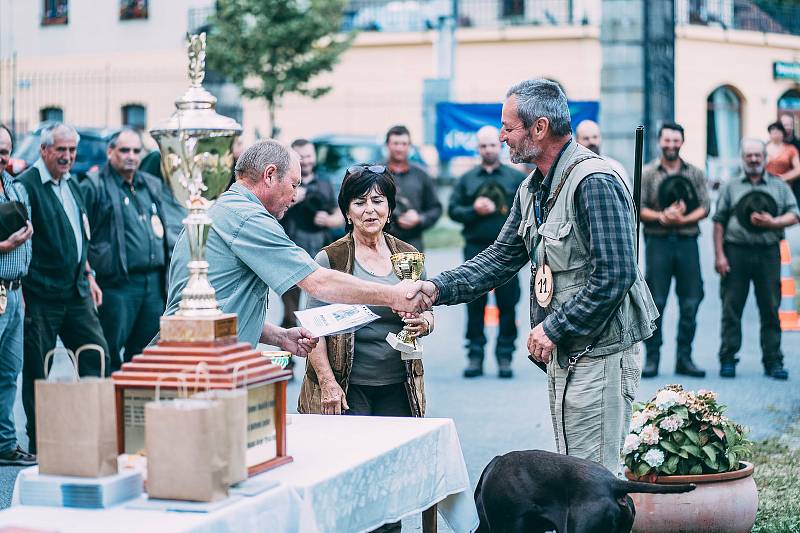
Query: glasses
point(126, 150)
point(357, 170)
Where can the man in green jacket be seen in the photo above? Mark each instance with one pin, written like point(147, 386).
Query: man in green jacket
point(60, 291)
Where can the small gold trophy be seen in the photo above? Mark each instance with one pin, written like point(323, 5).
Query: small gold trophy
point(407, 265)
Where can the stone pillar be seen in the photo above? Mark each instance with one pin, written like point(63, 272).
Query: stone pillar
point(637, 83)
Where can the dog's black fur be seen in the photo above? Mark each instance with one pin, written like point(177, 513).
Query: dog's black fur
point(535, 491)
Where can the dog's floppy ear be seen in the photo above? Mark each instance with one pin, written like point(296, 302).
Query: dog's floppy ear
point(626, 515)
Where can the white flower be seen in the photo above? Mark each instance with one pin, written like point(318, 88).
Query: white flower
point(671, 423)
point(638, 419)
point(649, 434)
point(708, 394)
point(654, 457)
point(632, 442)
point(667, 398)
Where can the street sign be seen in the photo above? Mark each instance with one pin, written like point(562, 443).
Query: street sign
point(786, 70)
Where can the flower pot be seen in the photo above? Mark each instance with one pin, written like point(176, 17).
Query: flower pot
point(723, 503)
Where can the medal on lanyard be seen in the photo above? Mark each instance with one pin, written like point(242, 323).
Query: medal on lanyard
point(86, 227)
point(543, 280)
point(155, 222)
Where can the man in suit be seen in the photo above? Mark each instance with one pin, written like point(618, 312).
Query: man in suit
point(60, 291)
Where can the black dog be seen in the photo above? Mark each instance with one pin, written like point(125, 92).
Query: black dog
point(535, 491)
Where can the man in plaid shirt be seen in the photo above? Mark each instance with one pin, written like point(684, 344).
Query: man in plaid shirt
point(575, 215)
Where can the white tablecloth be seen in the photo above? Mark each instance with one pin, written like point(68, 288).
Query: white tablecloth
point(278, 509)
point(350, 474)
point(360, 472)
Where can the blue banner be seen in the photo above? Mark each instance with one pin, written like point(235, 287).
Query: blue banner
point(457, 124)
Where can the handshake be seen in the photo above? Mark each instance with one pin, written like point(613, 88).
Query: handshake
point(412, 296)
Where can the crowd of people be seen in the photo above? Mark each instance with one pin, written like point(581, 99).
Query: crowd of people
point(92, 259)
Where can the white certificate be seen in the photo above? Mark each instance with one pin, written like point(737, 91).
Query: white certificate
point(335, 318)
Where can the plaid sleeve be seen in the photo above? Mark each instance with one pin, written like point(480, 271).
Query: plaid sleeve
point(489, 269)
point(605, 216)
point(701, 186)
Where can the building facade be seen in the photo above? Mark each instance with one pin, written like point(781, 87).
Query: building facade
point(107, 63)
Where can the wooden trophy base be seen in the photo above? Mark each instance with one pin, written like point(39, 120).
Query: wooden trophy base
point(229, 364)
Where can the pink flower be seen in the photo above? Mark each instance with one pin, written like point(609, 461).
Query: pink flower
point(649, 434)
point(671, 423)
point(632, 443)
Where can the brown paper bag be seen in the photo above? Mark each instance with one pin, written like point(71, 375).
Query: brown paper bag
point(187, 450)
point(76, 422)
point(234, 403)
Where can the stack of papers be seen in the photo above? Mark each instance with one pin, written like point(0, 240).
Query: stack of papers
point(82, 492)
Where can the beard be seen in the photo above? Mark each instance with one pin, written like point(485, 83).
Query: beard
point(490, 160)
point(527, 152)
point(594, 148)
point(671, 154)
point(754, 169)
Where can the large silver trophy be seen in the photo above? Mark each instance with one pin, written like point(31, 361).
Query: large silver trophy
point(196, 159)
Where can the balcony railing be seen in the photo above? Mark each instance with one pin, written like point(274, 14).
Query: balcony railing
point(771, 16)
point(422, 15)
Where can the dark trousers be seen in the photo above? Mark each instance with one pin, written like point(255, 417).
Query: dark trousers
point(378, 400)
point(667, 257)
point(130, 315)
point(762, 266)
point(75, 321)
point(291, 303)
point(507, 297)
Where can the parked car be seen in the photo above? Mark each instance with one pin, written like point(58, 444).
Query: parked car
point(335, 153)
point(91, 149)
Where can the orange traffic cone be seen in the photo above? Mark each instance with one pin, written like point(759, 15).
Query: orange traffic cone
point(788, 309)
point(491, 314)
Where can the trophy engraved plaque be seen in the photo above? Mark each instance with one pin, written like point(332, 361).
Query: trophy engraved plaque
point(197, 158)
point(407, 265)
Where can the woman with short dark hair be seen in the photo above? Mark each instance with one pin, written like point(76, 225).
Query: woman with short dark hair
point(783, 160)
point(360, 373)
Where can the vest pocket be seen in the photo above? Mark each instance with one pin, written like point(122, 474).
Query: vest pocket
point(562, 251)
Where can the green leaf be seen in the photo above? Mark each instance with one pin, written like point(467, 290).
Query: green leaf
point(671, 464)
point(681, 411)
point(711, 452)
point(692, 449)
point(733, 461)
point(696, 470)
point(713, 465)
point(671, 448)
point(678, 438)
point(642, 469)
point(692, 435)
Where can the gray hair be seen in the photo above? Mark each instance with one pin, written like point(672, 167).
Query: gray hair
point(47, 136)
point(112, 142)
point(748, 140)
point(539, 98)
point(256, 158)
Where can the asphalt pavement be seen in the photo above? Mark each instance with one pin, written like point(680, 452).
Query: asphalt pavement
point(494, 416)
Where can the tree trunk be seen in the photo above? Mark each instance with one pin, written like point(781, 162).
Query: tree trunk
point(275, 130)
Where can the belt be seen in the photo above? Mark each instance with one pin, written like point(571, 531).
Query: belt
point(11, 284)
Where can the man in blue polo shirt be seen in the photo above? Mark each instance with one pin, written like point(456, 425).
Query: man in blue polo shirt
point(248, 253)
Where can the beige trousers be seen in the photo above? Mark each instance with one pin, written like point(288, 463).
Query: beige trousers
point(597, 406)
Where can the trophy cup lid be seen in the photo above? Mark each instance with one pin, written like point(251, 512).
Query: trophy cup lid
point(195, 108)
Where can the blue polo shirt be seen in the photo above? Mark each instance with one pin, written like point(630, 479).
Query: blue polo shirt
point(248, 253)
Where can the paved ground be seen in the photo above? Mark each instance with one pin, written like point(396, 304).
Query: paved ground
point(495, 416)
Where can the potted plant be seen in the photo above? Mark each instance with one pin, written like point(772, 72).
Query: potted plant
point(684, 437)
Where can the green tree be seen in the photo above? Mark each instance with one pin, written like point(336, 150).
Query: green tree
point(271, 48)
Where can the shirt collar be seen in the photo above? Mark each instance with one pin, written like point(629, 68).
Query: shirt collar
point(762, 181)
point(247, 193)
point(118, 179)
point(45, 174)
point(546, 181)
point(664, 171)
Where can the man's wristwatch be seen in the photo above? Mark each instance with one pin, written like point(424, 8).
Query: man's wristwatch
point(88, 273)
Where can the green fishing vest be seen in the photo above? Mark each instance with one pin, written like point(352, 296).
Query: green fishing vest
point(567, 252)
